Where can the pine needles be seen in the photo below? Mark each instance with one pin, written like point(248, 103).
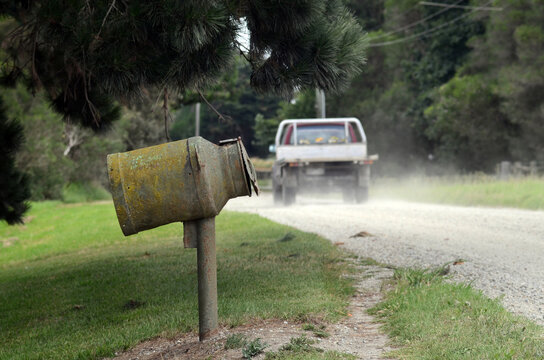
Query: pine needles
point(87, 54)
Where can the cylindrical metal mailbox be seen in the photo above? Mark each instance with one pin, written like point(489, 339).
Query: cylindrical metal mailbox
point(178, 181)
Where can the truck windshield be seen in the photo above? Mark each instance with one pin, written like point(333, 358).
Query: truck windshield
point(319, 134)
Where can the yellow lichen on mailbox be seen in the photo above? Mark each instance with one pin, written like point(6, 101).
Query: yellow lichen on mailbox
point(178, 181)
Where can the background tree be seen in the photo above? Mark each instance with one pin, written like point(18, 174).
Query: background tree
point(14, 189)
point(466, 137)
point(493, 109)
point(237, 102)
point(85, 54)
point(41, 154)
point(510, 57)
point(142, 122)
point(54, 153)
point(462, 85)
point(412, 52)
point(266, 125)
point(89, 56)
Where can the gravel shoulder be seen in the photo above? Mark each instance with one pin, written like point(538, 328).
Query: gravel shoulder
point(502, 249)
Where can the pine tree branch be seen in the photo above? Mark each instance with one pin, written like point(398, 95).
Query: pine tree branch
point(35, 76)
point(94, 111)
point(221, 117)
point(166, 114)
point(88, 6)
point(240, 46)
point(104, 20)
point(20, 30)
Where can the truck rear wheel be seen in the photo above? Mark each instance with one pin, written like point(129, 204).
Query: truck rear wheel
point(348, 195)
point(289, 195)
point(361, 194)
point(277, 194)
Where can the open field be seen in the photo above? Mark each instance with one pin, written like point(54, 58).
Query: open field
point(524, 193)
point(73, 287)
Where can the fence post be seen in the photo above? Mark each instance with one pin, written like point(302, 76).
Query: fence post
point(504, 170)
point(518, 169)
point(533, 169)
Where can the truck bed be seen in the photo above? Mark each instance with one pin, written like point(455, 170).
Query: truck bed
point(322, 153)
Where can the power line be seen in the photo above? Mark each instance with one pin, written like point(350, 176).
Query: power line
point(396, 17)
point(418, 35)
point(423, 33)
point(484, 8)
point(412, 37)
point(409, 26)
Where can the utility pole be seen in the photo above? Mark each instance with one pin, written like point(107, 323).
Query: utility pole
point(197, 119)
point(320, 103)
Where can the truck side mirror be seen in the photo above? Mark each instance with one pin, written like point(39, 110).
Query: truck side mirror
point(272, 148)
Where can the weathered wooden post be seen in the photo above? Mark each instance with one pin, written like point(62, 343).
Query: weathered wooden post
point(189, 181)
point(518, 169)
point(504, 170)
point(533, 169)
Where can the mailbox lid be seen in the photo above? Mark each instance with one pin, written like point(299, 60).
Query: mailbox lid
point(251, 174)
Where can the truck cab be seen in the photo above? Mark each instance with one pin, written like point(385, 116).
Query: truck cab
point(321, 155)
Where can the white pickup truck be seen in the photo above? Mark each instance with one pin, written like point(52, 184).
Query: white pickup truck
point(321, 155)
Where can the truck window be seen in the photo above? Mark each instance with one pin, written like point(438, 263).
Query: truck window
point(310, 134)
point(355, 133)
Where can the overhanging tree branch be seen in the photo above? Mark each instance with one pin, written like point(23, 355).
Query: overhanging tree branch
point(167, 115)
point(220, 116)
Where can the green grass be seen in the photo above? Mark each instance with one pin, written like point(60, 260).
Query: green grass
point(253, 348)
point(73, 287)
point(263, 163)
point(318, 330)
point(84, 192)
point(429, 318)
point(525, 193)
point(235, 341)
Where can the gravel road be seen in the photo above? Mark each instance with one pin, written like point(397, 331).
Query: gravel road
point(502, 249)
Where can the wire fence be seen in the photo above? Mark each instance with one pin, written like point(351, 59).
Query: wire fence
point(506, 169)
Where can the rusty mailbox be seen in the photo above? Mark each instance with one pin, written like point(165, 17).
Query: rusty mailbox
point(188, 181)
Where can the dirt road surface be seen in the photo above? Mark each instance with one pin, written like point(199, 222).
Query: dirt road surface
point(500, 251)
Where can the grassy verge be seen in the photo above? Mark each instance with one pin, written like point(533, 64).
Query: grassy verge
point(73, 287)
point(83, 192)
point(432, 319)
point(525, 193)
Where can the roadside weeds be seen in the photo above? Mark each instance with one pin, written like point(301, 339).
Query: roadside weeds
point(429, 318)
point(356, 336)
point(426, 317)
